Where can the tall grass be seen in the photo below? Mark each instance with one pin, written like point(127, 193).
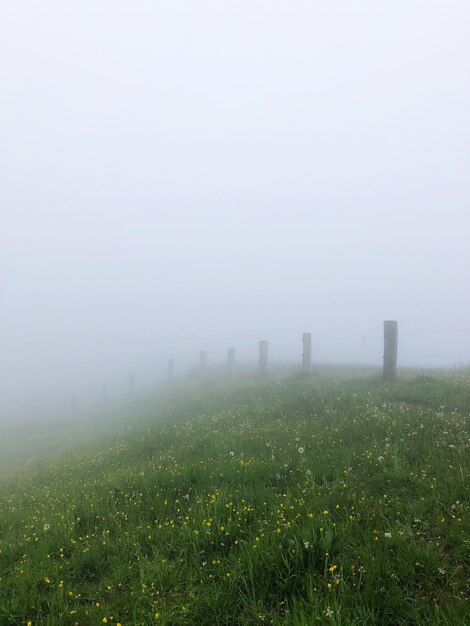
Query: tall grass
point(331, 499)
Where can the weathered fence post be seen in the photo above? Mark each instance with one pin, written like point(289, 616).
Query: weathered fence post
point(390, 349)
point(230, 361)
point(171, 367)
point(131, 385)
point(202, 363)
point(307, 353)
point(263, 357)
point(104, 397)
point(73, 405)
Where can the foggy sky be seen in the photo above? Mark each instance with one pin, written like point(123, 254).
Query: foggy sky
point(185, 175)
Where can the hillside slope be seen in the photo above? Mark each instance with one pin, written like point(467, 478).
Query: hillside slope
point(335, 499)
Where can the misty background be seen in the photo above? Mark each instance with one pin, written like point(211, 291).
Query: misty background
point(186, 175)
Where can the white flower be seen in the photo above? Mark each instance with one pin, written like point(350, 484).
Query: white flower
point(388, 535)
point(306, 544)
point(232, 453)
point(381, 458)
point(47, 526)
point(301, 450)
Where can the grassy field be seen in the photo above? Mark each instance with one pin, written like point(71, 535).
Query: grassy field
point(330, 499)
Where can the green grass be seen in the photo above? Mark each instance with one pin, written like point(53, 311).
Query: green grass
point(332, 499)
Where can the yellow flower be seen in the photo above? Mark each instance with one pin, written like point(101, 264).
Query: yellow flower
point(104, 620)
point(332, 568)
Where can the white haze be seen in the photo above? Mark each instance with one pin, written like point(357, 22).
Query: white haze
point(185, 175)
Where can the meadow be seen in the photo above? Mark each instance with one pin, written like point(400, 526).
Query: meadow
point(332, 499)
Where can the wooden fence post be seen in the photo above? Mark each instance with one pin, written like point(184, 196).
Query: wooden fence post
point(104, 397)
point(171, 367)
point(307, 353)
point(390, 349)
point(131, 384)
point(73, 405)
point(263, 357)
point(230, 361)
point(202, 363)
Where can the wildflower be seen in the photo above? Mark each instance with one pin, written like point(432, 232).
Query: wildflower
point(388, 535)
point(46, 527)
point(380, 459)
point(325, 512)
point(232, 453)
point(306, 544)
point(301, 450)
point(332, 568)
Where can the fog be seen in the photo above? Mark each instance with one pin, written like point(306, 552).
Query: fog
point(180, 175)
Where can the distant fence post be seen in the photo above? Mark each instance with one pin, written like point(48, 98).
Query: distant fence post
point(131, 384)
point(104, 397)
point(390, 349)
point(263, 357)
point(73, 405)
point(307, 353)
point(230, 361)
point(202, 363)
point(171, 367)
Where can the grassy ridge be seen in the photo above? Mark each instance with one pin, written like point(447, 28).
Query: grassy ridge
point(334, 499)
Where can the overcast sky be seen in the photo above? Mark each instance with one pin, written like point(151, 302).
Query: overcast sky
point(178, 175)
